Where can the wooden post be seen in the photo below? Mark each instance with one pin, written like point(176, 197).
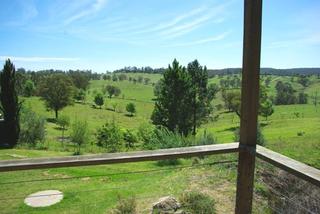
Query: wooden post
point(249, 104)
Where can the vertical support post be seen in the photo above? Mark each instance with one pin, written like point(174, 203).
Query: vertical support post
point(249, 104)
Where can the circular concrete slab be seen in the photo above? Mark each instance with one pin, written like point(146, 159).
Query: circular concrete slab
point(44, 198)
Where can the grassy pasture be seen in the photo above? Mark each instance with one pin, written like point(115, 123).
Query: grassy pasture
point(292, 130)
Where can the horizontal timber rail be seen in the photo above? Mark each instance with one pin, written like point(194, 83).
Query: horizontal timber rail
point(296, 168)
point(113, 158)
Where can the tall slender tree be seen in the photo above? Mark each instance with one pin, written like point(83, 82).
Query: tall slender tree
point(200, 97)
point(10, 105)
point(172, 107)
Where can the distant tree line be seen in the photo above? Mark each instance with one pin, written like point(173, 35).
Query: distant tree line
point(135, 69)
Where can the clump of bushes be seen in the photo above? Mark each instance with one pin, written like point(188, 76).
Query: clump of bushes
point(130, 139)
point(32, 128)
point(197, 202)
point(109, 136)
point(126, 206)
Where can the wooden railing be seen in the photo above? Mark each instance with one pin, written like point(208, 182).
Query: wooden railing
point(297, 168)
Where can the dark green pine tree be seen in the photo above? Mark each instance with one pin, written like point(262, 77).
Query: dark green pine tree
point(10, 105)
point(172, 107)
point(200, 101)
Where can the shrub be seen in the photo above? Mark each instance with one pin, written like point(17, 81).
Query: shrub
point(79, 134)
point(98, 100)
point(145, 133)
point(63, 122)
point(197, 202)
point(109, 137)
point(126, 206)
point(131, 108)
point(206, 139)
point(260, 137)
point(32, 128)
point(130, 138)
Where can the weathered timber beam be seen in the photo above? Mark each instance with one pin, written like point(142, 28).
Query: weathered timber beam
point(296, 168)
point(112, 158)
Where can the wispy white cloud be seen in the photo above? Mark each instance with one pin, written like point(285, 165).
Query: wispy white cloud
point(38, 59)
point(202, 41)
point(90, 10)
point(312, 39)
point(28, 12)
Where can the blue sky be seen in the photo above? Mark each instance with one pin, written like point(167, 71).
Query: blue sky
point(109, 34)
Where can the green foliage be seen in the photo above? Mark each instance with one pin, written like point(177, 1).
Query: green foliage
point(80, 79)
point(98, 100)
point(130, 138)
point(80, 95)
point(266, 108)
point(126, 206)
point(197, 202)
point(201, 97)
point(302, 98)
point(32, 128)
point(112, 91)
point(10, 105)
point(232, 100)
point(57, 92)
point(145, 133)
point(206, 139)
point(285, 94)
point(172, 108)
point(64, 122)
point(109, 136)
point(131, 108)
point(303, 80)
point(260, 137)
point(79, 134)
point(29, 88)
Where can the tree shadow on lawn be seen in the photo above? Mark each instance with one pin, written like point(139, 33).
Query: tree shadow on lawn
point(51, 120)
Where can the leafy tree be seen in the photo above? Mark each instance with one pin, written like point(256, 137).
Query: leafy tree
point(80, 79)
point(266, 108)
point(146, 80)
point(57, 92)
point(10, 105)
point(29, 88)
point(172, 107)
point(98, 100)
point(267, 81)
point(79, 134)
point(285, 94)
point(303, 80)
point(232, 100)
point(302, 98)
point(80, 95)
point(122, 77)
point(109, 136)
point(112, 91)
point(64, 122)
point(131, 108)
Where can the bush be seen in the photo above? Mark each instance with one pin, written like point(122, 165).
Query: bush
point(260, 137)
point(32, 128)
point(131, 108)
point(130, 138)
point(126, 206)
point(63, 122)
point(197, 202)
point(206, 139)
point(109, 137)
point(145, 134)
point(79, 134)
